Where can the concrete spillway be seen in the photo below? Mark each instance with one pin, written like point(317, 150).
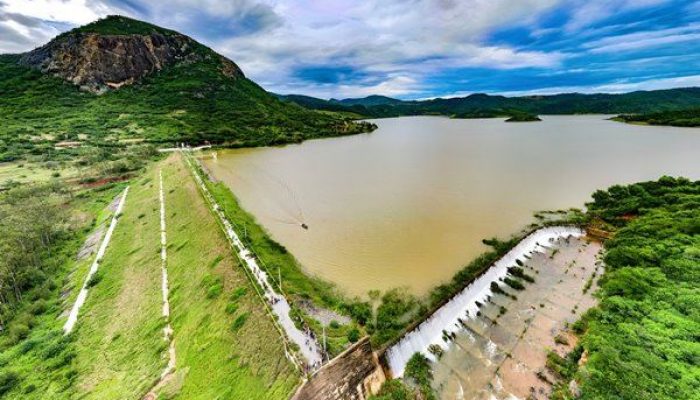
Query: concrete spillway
point(463, 305)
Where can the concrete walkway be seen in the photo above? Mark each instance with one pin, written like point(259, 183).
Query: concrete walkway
point(308, 346)
point(82, 296)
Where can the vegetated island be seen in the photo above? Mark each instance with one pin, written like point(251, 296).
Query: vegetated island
point(511, 115)
point(683, 118)
point(523, 117)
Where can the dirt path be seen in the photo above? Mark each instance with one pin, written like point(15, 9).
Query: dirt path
point(82, 296)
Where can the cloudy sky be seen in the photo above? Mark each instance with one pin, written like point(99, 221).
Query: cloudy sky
point(412, 48)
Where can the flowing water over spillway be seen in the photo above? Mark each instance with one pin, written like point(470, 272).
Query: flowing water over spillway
point(449, 318)
point(501, 352)
point(409, 204)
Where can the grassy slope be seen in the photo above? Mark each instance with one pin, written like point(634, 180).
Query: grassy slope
point(119, 340)
point(214, 360)
point(43, 361)
point(297, 284)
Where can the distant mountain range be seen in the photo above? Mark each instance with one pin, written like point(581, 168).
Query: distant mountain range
point(484, 105)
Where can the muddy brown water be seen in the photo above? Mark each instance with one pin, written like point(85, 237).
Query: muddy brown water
point(409, 204)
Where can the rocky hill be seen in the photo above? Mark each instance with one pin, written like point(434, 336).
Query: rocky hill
point(120, 80)
point(96, 61)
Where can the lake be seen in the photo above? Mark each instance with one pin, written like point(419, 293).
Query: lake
point(408, 205)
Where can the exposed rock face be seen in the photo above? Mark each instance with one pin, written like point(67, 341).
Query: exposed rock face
point(99, 62)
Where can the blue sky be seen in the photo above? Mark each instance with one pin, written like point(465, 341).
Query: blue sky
point(412, 48)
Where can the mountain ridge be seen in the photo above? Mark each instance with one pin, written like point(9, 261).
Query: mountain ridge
point(481, 104)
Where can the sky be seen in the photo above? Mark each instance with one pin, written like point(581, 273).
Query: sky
point(412, 49)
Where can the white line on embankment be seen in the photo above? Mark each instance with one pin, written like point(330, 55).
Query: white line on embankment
point(168, 330)
point(307, 344)
point(82, 296)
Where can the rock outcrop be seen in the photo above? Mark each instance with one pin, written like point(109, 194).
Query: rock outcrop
point(98, 62)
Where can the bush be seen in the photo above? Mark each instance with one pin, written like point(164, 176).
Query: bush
point(393, 389)
point(18, 331)
point(353, 335)
point(514, 283)
point(94, 279)
point(8, 381)
point(238, 322)
point(231, 308)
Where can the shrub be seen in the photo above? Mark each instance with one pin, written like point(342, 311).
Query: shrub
point(231, 308)
point(238, 322)
point(17, 332)
point(353, 335)
point(94, 279)
point(8, 381)
point(514, 283)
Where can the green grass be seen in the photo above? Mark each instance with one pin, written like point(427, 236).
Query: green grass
point(43, 362)
point(220, 354)
point(118, 339)
point(18, 172)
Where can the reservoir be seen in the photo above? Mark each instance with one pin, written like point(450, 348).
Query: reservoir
point(408, 205)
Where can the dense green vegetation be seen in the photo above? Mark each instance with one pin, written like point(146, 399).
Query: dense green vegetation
point(686, 118)
point(119, 25)
point(415, 385)
point(49, 220)
point(523, 117)
point(642, 340)
point(488, 106)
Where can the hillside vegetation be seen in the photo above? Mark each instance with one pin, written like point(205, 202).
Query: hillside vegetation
point(487, 106)
point(642, 340)
point(684, 118)
point(186, 101)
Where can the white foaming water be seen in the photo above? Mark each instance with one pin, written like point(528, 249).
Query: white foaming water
point(463, 304)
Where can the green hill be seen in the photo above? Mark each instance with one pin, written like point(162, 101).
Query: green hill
point(483, 105)
point(188, 94)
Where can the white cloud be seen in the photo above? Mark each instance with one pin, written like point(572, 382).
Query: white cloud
point(70, 11)
point(646, 39)
point(390, 38)
point(588, 12)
